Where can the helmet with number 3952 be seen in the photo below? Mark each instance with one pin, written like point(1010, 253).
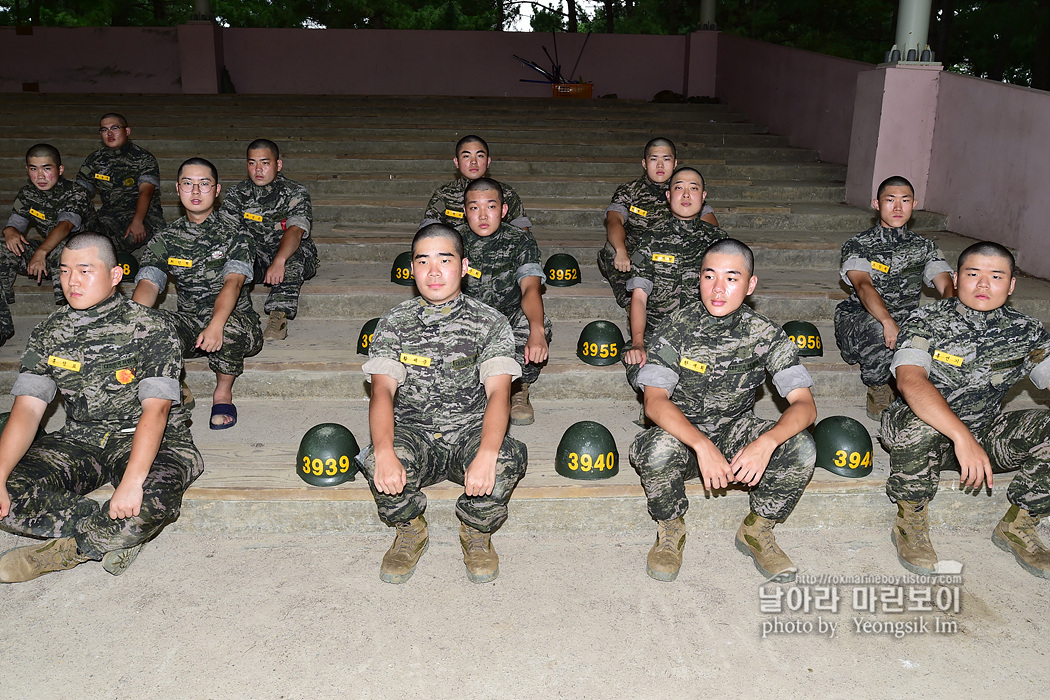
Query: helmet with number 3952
point(327, 455)
point(600, 343)
point(562, 270)
point(843, 446)
point(806, 336)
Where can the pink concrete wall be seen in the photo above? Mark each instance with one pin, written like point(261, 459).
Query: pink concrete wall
point(989, 167)
point(701, 62)
point(91, 59)
point(806, 96)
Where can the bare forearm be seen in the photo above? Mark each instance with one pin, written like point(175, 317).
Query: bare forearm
point(800, 414)
point(19, 432)
point(289, 243)
point(381, 419)
point(496, 418)
point(927, 403)
point(638, 313)
point(149, 433)
point(662, 411)
point(615, 232)
point(226, 302)
point(57, 235)
point(532, 304)
point(146, 293)
point(142, 205)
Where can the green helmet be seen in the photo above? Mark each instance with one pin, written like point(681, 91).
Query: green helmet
point(7, 414)
point(327, 455)
point(587, 451)
point(843, 446)
point(364, 340)
point(129, 264)
point(600, 343)
point(806, 336)
point(401, 271)
point(562, 270)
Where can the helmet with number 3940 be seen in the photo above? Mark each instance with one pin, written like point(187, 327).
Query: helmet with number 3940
point(843, 446)
point(327, 455)
point(562, 270)
point(587, 451)
point(600, 343)
point(806, 336)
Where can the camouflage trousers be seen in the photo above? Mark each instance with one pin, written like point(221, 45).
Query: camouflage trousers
point(1015, 440)
point(113, 225)
point(12, 265)
point(860, 339)
point(664, 463)
point(49, 488)
point(301, 266)
point(429, 460)
point(617, 280)
point(241, 338)
point(519, 325)
point(7, 323)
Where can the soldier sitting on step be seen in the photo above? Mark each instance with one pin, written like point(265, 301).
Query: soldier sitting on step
point(956, 360)
point(885, 267)
point(441, 367)
point(704, 366)
point(507, 274)
point(117, 366)
point(127, 178)
point(277, 212)
point(472, 161)
point(636, 208)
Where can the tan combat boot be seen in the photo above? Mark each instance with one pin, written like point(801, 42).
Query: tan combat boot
point(880, 397)
point(665, 557)
point(400, 560)
point(27, 563)
point(1016, 534)
point(755, 539)
point(521, 412)
point(479, 556)
point(118, 561)
point(277, 328)
point(911, 536)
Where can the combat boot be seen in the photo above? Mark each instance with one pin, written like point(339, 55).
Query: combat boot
point(277, 327)
point(27, 563)
point(1016, 534)
point(521, 412)
point(479, 556)
point(880, 396)
point(118, 561)
point(665, 557)
point(755, 539)
point(911, 536)
point(411, 541)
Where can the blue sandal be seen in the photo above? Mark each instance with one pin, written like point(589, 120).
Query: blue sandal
point(223, 409)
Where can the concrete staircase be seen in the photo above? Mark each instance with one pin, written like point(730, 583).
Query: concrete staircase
point(371, 164)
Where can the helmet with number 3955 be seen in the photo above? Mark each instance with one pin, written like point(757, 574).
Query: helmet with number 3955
point(562, 270)
point(806, 336)
point(587, 451)
point(843, 446)
point(327, 455)
point(600, 343)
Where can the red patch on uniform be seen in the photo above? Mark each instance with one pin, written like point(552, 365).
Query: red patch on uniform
point(125, 376)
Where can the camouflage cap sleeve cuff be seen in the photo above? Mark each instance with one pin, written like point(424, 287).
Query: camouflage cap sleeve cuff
point(160, 388)
point(36, 385)
point(911, 356)
point(530, 270)
point(18, 222)
point(71, 217)
point(148, 179)
point(854, 264)
point(87, 185)
point(658, 376)
point(791, 378)
point(300, 221)
point(640, 283)
point(708, 209)
point(498, 365)
point(934, 268)
point(238, 267)
point(619, 209)
point(158, 277)
point(387, 366)
point(1041, 374)
point(521, 222)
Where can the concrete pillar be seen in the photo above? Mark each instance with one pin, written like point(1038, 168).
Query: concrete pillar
point(201, 57)
point(913, 33)
point(707, 14)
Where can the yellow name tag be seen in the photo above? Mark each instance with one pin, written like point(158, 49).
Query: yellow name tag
point(639, 212)
point(180, 262)
point(950, 359)
point(252, 217)
point(415, 360)
point(64, 364)
point(128, 182)
point(474, 273)
point(100, 176)
point(693, 365)
point(663, 257)
point(879, 266)
point(454, 214)
point(37, 214)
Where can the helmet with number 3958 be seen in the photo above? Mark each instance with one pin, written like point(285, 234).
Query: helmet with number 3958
point(587, 451)
point(327, 455)
point(130, 266)
point(806, 336)
point(843, 446)
point(562, 270)
point(600, 343)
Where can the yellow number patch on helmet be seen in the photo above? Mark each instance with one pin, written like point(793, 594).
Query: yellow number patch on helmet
point(454, 214)
point(693, 365)
point(415, 360)
point(879, 266)
point(125, 376)
point(71, 365)
point(952, 360)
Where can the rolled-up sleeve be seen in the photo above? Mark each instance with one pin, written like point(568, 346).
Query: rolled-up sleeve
point(658, 376)
point(791, 378)
point(36, 385)
point(384, 365)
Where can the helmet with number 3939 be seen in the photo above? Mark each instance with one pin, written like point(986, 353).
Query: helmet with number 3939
point(843, 446)
point(327, 455)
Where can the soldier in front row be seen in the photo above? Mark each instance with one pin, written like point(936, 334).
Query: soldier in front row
point(441, 367)
point(700, 377)
point(955, 362)
point(117, 367)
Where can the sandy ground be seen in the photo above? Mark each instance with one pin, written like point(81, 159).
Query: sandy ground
point(307, 617)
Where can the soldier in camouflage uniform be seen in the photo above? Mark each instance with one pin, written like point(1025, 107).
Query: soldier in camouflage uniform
point(441, 366)
point(885, 268)
point(665, 268)
point(955, 362)
point(472, 161)
point(127, 178)
point(703, 369)
point(636, 209)
point(117, 367)
point(210, 257)
point(56, 207)
point(506, 273)
point(277, 213)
